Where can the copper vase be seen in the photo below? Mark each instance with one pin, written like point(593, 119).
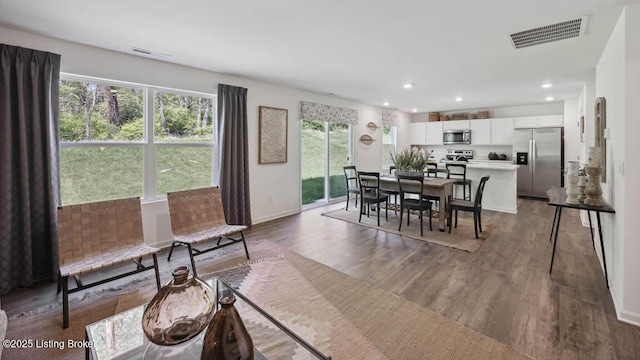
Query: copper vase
point(227, 338)
point(180, 310)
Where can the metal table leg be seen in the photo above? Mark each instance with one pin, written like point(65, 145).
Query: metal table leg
point(593, 241)
point(553, 226)
point(555, 242)
point(604, 259)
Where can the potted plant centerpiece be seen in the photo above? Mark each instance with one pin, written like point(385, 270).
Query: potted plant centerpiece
point(410, 162)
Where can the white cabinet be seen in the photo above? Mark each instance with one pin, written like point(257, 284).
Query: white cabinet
point(418, 133)
point(539, 121)
point(527, 122)
point(434, 133)
point(480, 132)
point(456, 125)
point(551, 121)
point(501, 131)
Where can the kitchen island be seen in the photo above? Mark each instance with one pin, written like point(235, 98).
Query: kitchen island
point(501, 191)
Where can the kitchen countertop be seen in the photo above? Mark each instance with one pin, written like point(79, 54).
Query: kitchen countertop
point(485, 164)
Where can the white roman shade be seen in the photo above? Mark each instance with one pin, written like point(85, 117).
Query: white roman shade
point(389, 119)
point(328, 113)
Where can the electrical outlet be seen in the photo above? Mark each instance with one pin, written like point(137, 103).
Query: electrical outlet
point(270, 198)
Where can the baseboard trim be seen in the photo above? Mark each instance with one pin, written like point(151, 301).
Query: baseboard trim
point(628, 317)
point(500, 209)
point(276, 216)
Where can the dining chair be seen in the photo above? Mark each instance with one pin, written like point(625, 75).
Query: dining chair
point(470, 206)
point(393, 193)
point(351, 175)
point(409, 185)
point(459, 173)
point(370, 194)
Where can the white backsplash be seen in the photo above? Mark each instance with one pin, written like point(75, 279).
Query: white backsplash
point(480, 152)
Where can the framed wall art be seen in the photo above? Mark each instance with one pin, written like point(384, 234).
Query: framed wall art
point(272, 134)
point(601, 142)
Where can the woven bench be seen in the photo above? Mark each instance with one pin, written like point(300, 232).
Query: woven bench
point(197, 215)
point(97, 235)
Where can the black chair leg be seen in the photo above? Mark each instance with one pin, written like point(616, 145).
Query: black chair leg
point(348, 196)
point(378, 213)
point(386, 211)
point(361, 210)
point(193, 263)
point(475, 223)
point(157, 271)
point(430, 217)
point(450, 220)
point(456, 219)
point(480, 220)
point(421, 231)
point(65, 302)
point(173, 245)
point(400, 224)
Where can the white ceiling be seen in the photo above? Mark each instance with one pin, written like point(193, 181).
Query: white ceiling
point(362, 50)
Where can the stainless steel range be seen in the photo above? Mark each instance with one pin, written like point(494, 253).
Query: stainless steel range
point(459, 155)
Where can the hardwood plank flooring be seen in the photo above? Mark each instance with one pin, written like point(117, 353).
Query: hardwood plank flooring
point(503, 290)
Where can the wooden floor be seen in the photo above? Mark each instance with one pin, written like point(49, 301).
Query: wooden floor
point(503, 290)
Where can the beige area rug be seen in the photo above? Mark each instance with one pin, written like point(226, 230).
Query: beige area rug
point(342, 316)
point(463, 237)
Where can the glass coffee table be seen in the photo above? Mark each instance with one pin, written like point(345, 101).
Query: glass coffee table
point(121, 337)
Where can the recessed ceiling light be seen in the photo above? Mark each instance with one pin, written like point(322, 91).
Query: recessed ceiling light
point(407, 85)
point(459, 98)
point(414, 110)
point(386, 103)
point(547, 85)
point(549, 98)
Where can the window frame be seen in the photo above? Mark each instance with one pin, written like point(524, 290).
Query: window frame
point(148, 143)
point(393, 143)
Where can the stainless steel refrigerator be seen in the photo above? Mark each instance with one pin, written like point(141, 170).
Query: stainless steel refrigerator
point(539, 152)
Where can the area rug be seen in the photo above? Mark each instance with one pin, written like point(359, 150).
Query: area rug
point(463, 237)
point(342, 316)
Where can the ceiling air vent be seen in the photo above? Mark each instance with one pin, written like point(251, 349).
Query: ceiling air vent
point(548, 33)
point(149, 52)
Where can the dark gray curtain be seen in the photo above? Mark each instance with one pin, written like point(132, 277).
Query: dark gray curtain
point(233, 154)
point(29, 181)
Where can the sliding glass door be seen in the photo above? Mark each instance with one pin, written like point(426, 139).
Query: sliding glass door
point(326, 148)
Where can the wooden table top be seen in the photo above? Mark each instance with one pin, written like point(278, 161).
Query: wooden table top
point(433, 182)
point(558, 197)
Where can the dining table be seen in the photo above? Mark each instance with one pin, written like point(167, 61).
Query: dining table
point(442, 188)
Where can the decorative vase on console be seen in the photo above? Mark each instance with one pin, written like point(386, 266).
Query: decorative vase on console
point(582, 182)
point(572, 179)
point(593, 190)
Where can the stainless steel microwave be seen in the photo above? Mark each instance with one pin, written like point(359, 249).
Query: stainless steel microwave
point(456, 137)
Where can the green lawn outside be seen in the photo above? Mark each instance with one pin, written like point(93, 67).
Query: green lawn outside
point(101, 173)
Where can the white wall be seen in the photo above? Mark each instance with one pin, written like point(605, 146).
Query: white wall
point(631, 170)
point(280, 180)
point(617, 79)
point(572, 144)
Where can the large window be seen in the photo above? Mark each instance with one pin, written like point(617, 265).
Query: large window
point(123, 140)
point(388, 145)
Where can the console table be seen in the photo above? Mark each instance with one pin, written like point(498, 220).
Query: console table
point(558, 198)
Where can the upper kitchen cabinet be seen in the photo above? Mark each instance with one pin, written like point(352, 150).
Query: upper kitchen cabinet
point(480, 132)
point(456, 125)
point(552, 121)
point(528, 122)
point(418, 133)
point(501, 131)
point(434, 133)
